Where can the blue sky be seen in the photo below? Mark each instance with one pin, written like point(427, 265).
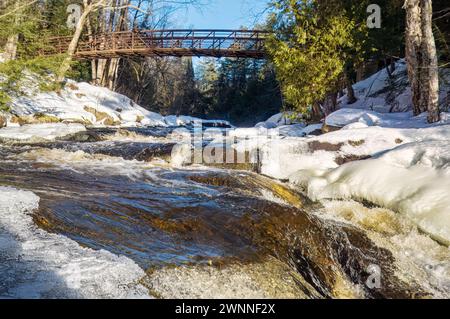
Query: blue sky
point(222, 14)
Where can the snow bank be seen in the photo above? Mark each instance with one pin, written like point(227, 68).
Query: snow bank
point(412, 179)
point(384, 94)
point(364, 118)
point(48, 132)
point(99, 106)
point(82, 102)
point(280, 119)
point(373, 91)
point(36, 264)
point(282, 157)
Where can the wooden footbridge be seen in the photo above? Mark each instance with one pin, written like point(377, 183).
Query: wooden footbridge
point(178, 43)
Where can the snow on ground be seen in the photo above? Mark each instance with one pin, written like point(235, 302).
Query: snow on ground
point(365, 118)
point(280, 119)
point(48, 132)
point(404, 166)
point(93, 105)
point(383, 154)
point(36, 264)
point(82, 102)
point(384, 94)
point(280, 157)
point(412, 179)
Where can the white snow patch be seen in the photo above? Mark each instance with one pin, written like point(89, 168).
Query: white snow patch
point(48, 132)
point(282, 157)
point(71, 103)
point(77, 100)
point(345, 117)
point(284, 118)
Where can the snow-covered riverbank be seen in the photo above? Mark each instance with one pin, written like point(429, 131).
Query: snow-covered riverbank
point(89, 105)
point(392, 160)
point(373, 157)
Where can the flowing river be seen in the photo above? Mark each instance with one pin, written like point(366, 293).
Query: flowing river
point(202, 231)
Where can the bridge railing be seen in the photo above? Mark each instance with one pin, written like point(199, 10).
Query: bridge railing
point(245, 43)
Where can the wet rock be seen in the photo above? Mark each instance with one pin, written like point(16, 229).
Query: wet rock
point(251, 184)
point(3, 121)
point(38, 118)
point(102, 117)
point(328, 128)
point(331, 257)
point(324, 146)
point(86, 136)
point(340, 160)
point(163, 151)
point(17, 120)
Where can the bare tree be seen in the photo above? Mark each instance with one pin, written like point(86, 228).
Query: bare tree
point(90, 6)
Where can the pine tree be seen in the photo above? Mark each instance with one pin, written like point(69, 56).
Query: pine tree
point(316, 40)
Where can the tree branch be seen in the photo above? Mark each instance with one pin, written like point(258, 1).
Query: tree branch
point(18, 8)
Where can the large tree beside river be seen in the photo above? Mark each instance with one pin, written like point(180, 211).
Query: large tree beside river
point(319, 44)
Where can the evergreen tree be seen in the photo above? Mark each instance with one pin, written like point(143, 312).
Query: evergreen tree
point(316, 41)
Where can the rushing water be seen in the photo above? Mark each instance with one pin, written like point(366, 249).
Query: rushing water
point(119, 193)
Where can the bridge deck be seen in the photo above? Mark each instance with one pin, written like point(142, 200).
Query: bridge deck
point(213, 43)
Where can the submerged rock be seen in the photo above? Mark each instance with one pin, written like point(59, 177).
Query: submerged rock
point(333, 258)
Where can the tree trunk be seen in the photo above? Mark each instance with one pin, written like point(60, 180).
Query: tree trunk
point(413, 54)
point(422, 59)
point(317, 113)
point(330, 103)
point(101, 70)
point(93, 62)
point(13, 40)
point(11, 48)
point(351, 98)
point(65, 66)
point(430, 81)
point(112, 73)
